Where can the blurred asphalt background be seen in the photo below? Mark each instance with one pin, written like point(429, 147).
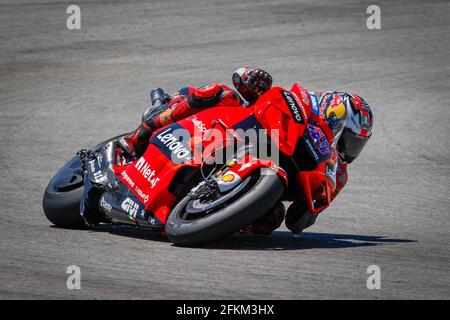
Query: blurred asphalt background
point(63, 90)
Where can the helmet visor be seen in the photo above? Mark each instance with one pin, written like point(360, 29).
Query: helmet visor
point(351, 144)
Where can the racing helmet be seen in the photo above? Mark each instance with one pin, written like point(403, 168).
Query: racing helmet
point(251, 83)
point(357, 129)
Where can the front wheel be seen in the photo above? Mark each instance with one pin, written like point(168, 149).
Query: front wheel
point(254, 198)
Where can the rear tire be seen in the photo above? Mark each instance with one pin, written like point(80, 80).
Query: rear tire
point(63, 209)
point(61, 203)
point(249, 207)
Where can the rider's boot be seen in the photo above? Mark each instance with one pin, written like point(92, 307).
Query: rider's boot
point(299, 218)
point(135, 143)
point(158, 97)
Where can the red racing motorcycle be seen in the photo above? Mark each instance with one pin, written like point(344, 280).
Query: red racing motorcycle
point(204, 177)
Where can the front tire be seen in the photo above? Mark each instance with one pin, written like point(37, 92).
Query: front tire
point(256, 202)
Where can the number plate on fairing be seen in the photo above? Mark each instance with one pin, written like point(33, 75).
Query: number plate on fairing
point(317, 143)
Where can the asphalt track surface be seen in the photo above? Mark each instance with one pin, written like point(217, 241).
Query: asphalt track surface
point(63, 90)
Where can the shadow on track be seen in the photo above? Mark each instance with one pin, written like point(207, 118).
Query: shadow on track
point(285, 240)
point(131, 232)
point(123, 231)
point(279, 240)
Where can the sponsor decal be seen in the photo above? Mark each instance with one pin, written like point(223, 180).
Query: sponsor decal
point(142, 215)
point(303, 94)
point(143, 195)
point(324, 102)
point(244, 166)
point(92, 165)
point(294, 107)
point(199, 124)
point(127, 178)
point(314, 104)
point(100, 159)
point(312, 149)
point(228, 177)
point(228, 181)
point(330, 171)
point(302, 109)
point(336, 109)
point(152, 221)
point(130, 207)
point(320, 140)
point(144, 169)
point(171, 144)
point(305, 98)
point(105, 205)
point(97, 174)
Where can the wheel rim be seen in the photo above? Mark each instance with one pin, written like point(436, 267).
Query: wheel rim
point(200, 207)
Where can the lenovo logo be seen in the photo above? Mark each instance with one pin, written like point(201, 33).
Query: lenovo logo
point(293, 106)
point(171, 142)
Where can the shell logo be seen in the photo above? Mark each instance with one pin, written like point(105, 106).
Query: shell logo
point(228, 177)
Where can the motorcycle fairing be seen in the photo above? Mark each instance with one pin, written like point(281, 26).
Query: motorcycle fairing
point(123, 200)
point(246, 166)
point(100, 165)
point(173, 142)
point(170, 150)
point(273, 112)
point(317, 143)
point(318, 185)
point(149, 177)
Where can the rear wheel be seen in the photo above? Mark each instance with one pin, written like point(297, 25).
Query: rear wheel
point(197, 221)
point(61, 202)
point(62, 196)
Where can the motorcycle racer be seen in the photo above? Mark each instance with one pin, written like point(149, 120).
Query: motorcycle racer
point(348, 116)
point(351, 120)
